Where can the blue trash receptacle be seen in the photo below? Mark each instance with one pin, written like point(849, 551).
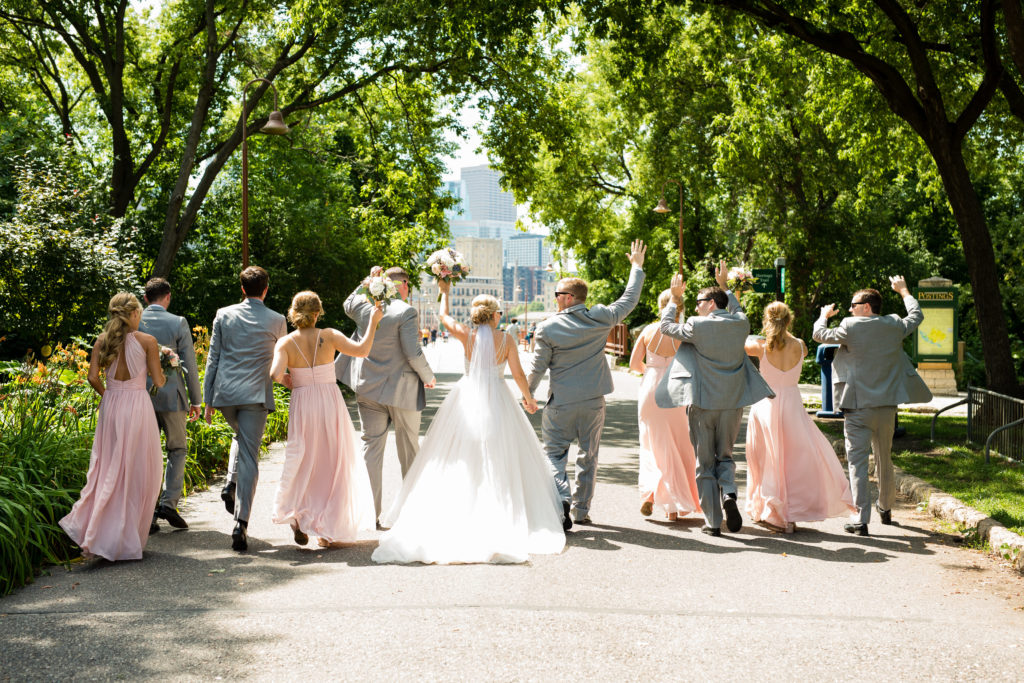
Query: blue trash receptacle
point(824, 356)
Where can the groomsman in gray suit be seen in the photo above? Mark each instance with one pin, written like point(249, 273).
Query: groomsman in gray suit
point(712, 375)
point(571, 345)
point(871, 375)
point(238, 383)
point(390, 382)
point(171, 406)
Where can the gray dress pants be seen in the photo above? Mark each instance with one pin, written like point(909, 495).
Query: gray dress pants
point(375, 418)
point(713, 433)
point(249, 423)
point(867, 430)
point(560, 426)
point(173, 425)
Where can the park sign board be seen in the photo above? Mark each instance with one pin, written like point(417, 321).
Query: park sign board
point(764, 280)
point(936, 337)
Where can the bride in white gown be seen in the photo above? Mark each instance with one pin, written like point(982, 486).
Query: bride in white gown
point(480, 489)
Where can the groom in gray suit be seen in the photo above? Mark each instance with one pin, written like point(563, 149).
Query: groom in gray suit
point(238, 383)
point(712, 375)
point(571, 345)
point(871, 375)
point(390, 382)
point(172, 408)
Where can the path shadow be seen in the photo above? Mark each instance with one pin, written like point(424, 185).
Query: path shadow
point(805, 543)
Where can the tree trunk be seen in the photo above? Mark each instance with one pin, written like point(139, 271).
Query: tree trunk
point(1000, 372)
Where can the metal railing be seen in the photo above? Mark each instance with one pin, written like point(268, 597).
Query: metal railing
point(998, 420)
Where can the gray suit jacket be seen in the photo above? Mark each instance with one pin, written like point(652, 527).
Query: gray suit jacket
point(396, 369)
point(870, 368)
point(241, 351)
point(571, 345)
point(711, 369)
point(173, 331)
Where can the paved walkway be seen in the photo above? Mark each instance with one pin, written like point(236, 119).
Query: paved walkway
point(631, 598)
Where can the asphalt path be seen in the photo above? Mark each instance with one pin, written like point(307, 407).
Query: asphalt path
point(630, 598)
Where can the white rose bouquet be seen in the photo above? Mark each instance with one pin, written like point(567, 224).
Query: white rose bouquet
point(169, 363)
point(379, 289)
point(740, 280)
point(448, 265)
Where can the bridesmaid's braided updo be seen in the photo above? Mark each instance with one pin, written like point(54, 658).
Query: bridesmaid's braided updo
point(119, 310)
point(777, 318)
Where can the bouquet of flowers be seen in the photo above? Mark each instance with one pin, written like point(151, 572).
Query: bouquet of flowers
point(379, 288)
point(169, 363)
point(740, 280)
point(448, 265)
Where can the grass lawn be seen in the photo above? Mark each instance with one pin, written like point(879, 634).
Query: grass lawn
point(958, 468)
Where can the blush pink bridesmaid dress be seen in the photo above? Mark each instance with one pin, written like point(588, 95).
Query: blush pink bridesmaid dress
point(793, 474)
point(668, 465)
point(112, 516)
point(324, 487)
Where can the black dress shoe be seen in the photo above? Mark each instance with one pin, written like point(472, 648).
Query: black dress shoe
point(733, 520)
point(885, 516)
point(153, 526)
point(566, 519)
point(859, 529)
point(710, 530)
point(227, 494)
point(240, 538)
point(166, 512)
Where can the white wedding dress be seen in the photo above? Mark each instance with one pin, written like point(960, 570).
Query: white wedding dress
point(480, 489)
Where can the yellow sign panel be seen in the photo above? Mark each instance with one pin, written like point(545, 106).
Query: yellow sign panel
point(935, 335)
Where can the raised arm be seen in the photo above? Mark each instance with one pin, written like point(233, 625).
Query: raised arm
point(616, 312)
point(357, 307)
point(822, 333)
point(669, 327)
point(356, 349)
point(516, 368)
point(914, 317)
point(458, 330)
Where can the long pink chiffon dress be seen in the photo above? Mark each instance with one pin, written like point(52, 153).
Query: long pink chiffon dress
point(793, 474)
point(324, 484)
point(668, 466)
point(112, 516)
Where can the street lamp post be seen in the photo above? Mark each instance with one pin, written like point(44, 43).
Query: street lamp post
point(663, 208)
point(275, 126)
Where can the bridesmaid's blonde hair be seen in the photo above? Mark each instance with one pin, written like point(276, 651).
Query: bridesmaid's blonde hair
point(119, 310)
point(777, 319)
point(304, 309)
point(663, 300)
point(484, 308)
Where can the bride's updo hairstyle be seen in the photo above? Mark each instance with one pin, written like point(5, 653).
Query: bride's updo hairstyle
point(304, 309)
point(484, 308)
point(119, 310)
point(777, 318)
